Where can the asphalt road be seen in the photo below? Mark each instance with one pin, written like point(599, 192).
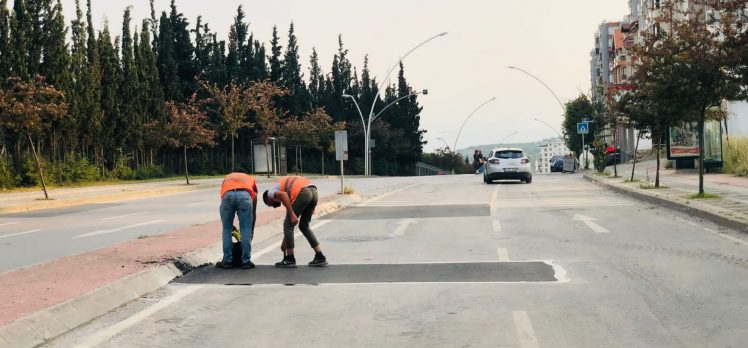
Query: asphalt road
point(32, 238)
point(453, 262)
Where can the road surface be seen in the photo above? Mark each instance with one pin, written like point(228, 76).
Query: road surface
point(453, 262)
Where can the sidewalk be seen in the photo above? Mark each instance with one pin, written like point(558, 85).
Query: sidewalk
point(19, 202)
point(730, 210)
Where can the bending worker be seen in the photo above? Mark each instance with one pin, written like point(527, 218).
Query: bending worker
point(299, 197)
point(238, 197)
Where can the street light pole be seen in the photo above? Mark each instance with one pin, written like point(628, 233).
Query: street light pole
point(367, 134)
point(468, 118)
point(551, 127)
point(507, 137)
point(363, 122)
point(446, 146)
point(541, 82)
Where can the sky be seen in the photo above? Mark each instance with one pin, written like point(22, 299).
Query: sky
point(551, 39)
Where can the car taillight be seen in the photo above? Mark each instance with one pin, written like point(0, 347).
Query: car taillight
point(494, 161)
point(525, 161)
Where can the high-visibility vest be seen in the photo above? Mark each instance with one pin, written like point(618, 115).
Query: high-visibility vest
point(292, 185)
point(235, 181)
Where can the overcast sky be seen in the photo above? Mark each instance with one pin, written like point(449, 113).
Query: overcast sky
point(549, 38)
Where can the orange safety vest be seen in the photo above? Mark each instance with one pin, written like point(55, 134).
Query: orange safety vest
point(235, 181)
point(292, 185)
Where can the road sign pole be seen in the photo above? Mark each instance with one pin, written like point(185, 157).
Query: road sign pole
point(342, 178)
point(585, 153)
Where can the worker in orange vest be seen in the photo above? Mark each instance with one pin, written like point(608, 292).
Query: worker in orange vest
point(299, 197)
point(238, 198)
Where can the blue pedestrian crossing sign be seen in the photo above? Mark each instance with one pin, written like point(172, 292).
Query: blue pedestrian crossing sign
point(583, 128)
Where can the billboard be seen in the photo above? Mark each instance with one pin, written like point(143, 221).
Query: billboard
point(683, 142)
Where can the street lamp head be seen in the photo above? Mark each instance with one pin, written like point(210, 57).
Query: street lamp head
point(347, 96)
point(492, 99)
point(512, 67)
point(425, 92)
point(444, 33)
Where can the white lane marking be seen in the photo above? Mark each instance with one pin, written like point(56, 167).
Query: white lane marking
point(503, 254)
point(390, 193)
point(525, 332)
point(276, 245)
point(19, 233)
point(558, 272)
point(496, 225)
point(100, 232)
point(494, 197)
point(727, 236)
point(9, 223)
point(202, 203)
point(104, 335)
point(402, 227)
point(121, 216)
point(590, 223)
point(420, 204)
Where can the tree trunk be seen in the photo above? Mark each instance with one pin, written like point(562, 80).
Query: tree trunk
point(657, 175)
point(233, 167)
point(636, 148)
point(38, 166)
point(322, 154)
point(701, 152)
point(616, 153)
point(186, 171)
point(727, 133)
point(301, 159)
point(267, 156)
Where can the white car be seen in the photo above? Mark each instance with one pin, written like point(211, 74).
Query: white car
point(507, 163)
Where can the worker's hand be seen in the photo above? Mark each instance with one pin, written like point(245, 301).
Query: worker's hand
point(294, 219)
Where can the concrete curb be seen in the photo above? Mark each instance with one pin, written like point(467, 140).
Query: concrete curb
point(714, 217)
point(42, 326)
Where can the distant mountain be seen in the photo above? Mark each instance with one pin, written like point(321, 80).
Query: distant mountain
point(532, 150)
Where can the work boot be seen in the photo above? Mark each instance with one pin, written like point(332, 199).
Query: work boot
point(248, 265)
point(319, 261)
point(224, 265)
point(289, 261)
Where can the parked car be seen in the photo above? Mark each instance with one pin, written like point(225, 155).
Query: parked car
point(557, 164)
point(507, 163)
point(617, 156)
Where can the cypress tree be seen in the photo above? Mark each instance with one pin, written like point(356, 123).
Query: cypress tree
point(37, 11)
point(56, 69)
point(5, 57)
point(129, 88)
point(112, 124)
point(292, 79)
point(316, 80)
point(167, 65)
point(183, 54)
point(275, 58)
point(20, 29)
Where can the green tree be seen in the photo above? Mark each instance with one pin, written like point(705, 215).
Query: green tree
point(316, 80)
point(188, 128)
point(292, 79)
point(20, 33)
point(29, 107)
point(111, 75)
point(276, 66)
point(5, 52)
point(576, 111)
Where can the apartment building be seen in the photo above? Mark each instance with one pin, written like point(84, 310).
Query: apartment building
point(547, 151)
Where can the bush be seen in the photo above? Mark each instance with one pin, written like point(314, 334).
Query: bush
point(736, 156)
point(73, 169)
point(8, 178)
point(150, 172)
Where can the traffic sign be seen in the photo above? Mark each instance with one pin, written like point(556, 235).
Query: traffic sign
point(341, 145)
point(583, 128)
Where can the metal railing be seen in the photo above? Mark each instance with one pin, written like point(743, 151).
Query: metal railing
point(424, 169)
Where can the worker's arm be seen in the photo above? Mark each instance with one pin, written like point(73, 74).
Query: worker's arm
point(286, 202)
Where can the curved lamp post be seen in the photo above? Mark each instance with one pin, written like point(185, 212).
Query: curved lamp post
point(551, 127)
point(468, 118)
point(371, 119)
point(507, 137)
point(541, 82)
point(446, 146)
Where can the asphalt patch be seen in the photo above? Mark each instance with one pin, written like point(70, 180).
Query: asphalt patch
point(475, 272)
point(409, 212)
